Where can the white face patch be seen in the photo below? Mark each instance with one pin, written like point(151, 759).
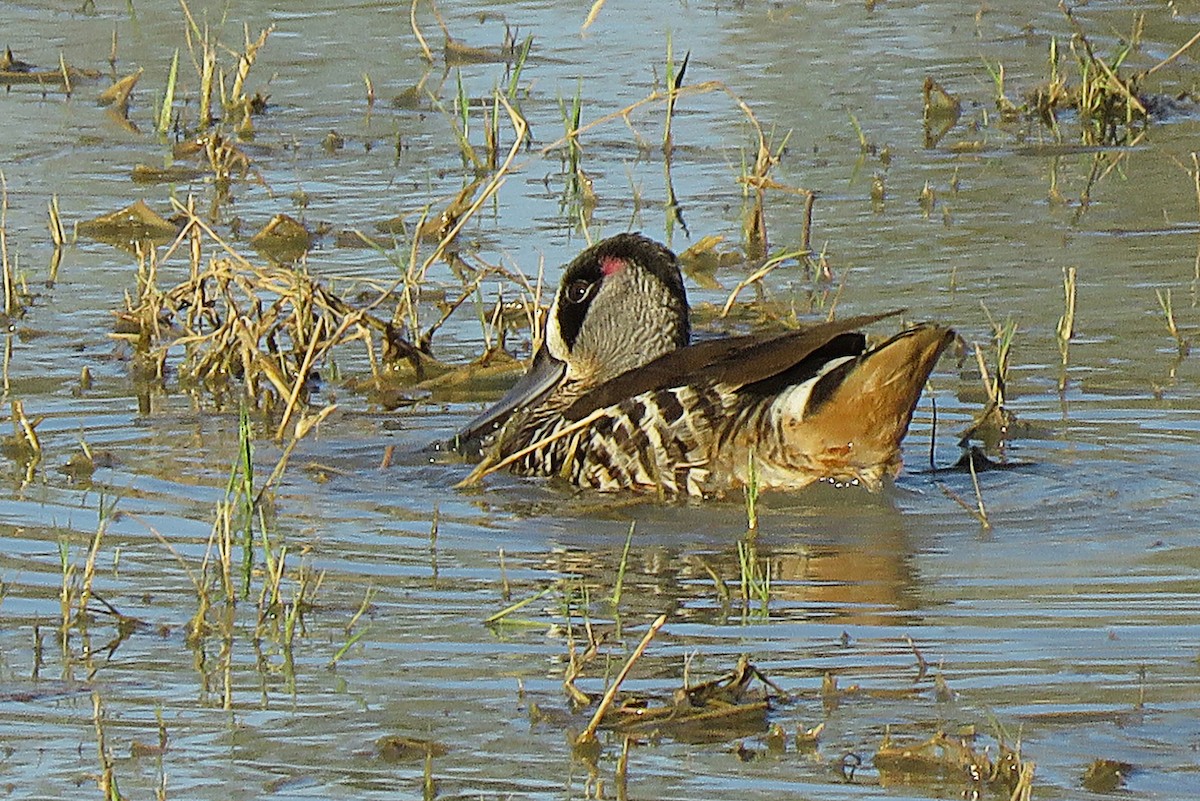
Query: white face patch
point(554, 340)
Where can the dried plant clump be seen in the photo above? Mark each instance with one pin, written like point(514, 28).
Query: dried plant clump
point(1112, 105)
point(942, 757)
point(257, 332)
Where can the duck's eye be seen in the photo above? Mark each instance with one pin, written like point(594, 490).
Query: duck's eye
point(578, 291)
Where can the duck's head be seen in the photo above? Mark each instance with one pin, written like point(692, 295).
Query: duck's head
point(620, 305)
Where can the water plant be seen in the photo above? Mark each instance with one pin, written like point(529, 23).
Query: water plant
point(1109, 101)
point(619, 585)
point(1164, 303)
point(992, 424)
point(750, 492)
point(755, 575)
point(163, 125)
point(1066, 323)
point(107, 779)
point(14, 294)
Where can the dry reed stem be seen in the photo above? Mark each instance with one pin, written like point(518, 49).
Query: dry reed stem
point(412, 21)
point(757, 275)
point(490, 188)
point(9, 299)
point(301, 376)
point(992, 387)
point(306, 424)
point(1182, 49)
point(954, 496)
point(245, 62)
point(106, 780)
point(982, 515)
point(593, 13)
point(486, 467)
point(26, 429)
point(1024, 788)
point(89, 569)
point(589, 733)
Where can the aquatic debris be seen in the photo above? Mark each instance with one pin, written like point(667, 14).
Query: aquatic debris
point(941, 111)
point(397, 748)
point(23, 444)
point(409, 360)
point(938, 102)
point(83, 463)
point(457, 54)
point(333, 142)
point(1106, 775)
point(701, 261)
point(491, 372)
point(415, 375)
point(942, 757)
point(725, 708)
point(135, 223)
point(10, 64)
point(177, 174)
point(117, 95)
point(414, 97)
point(266, 329)
point(809, 739)
point(831, 694)
point(15, 71)
point(435, 227)
point(282, 240)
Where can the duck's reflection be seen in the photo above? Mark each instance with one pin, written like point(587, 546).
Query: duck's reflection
point(836, 560)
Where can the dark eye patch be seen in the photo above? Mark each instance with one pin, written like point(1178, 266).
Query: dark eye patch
point(580, 282)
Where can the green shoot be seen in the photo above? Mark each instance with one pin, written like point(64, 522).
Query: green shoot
point(164, 114)
point(616, 596)
point(751, 492)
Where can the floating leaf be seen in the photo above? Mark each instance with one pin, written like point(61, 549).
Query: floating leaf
point(117, 95)
point(284, 239)
point(396, 748)
point(136, 222)
point(145, 174)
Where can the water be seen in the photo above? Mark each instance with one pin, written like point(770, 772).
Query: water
point(1071, 622)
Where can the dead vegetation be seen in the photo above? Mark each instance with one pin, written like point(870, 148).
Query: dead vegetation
point(235, 329)
point(741, 704)
point(1097, 94)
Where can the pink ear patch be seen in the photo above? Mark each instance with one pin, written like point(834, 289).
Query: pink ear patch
point(611, 264)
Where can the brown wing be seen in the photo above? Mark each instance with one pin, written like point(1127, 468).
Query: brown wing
point(735, 361)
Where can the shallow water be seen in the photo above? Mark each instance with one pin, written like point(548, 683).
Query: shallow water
point(1072, 622)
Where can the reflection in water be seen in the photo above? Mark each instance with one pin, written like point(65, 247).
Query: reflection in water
point(862, 583)
point(845, 566)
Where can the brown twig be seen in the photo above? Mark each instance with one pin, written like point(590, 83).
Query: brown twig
point(1183, 49)
point(589, 733)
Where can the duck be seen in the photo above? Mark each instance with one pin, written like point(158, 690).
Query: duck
point(618, 398)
